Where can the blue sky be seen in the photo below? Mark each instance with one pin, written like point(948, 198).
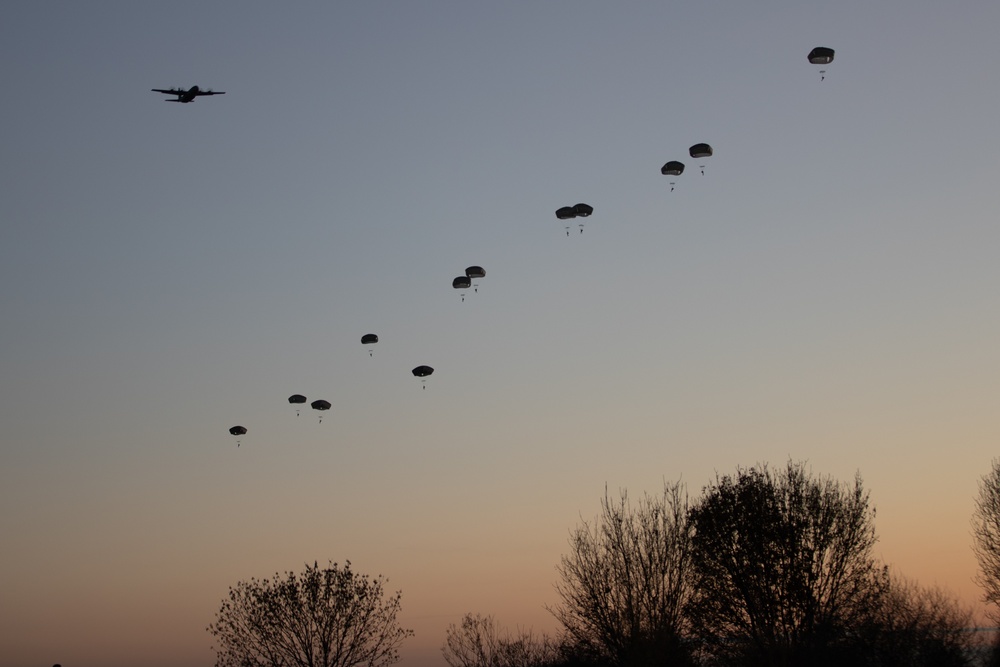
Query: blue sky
point(825, 292)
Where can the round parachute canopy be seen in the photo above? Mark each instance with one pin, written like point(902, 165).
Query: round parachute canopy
point(462, 282)
point(475, 272)
point(700, 150)
point(821, 55)
point(321, 405)
point(238, 430)
point(583, 210)
point(422, 371)
point(296, 398)
point(672, 168)
point(369, 339)
point(565, 213)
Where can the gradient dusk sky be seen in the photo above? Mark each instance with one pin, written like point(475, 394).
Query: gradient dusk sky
point(828, 291)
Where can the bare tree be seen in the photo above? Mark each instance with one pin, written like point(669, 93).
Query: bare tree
point(329, 617)
point(782, 564)
point(986, 533)
point(914, 626)
point(624, 583)
point(479, 642)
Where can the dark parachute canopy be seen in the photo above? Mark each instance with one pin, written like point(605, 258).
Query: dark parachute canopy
point(238, 431)
point(297, 400)
point(672, 168)
point(423, 372)
point(578, 211)
point(321, 406)
point(699, 151)
point(369, 339)
point(474, 273)
point(462, 282)
point(821, 55)
point(565, 213)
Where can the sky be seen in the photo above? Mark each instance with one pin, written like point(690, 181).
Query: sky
point(826, 292)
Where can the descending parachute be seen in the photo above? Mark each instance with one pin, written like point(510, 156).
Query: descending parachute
point(672, 168)
point(422, 372)
point(321, 406)
point(369, 340)
point(473, 273)
point(297, 400)
point(238, 431)
point(583, 211)
point(566, 213)
point(821, 55)
point(699, 151)
point(462, 282)
point(577, 211)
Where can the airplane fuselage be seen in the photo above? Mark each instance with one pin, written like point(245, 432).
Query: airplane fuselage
point(188, 96)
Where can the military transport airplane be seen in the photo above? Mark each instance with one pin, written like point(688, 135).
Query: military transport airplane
point(185, 96)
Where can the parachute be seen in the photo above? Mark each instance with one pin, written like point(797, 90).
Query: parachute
point(321, 406)
point(422, 372)
point(700, 151)
point(296, 399)
point(566, 213)
point(369, 340)
point(238, 431)
point(821, 55)
point(672, 168)
point(462, 282)
point(577, 211)
point(474, 272)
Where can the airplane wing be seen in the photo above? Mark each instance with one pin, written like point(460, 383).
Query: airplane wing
point(210, 92)
point(172, 91)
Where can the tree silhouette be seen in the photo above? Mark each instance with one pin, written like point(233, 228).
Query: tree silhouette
point(783, 569)
point(329, 617)
point(479, 642)
point(624, 583)
point(986, 533)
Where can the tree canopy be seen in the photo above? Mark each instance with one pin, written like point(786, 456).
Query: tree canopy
point(321, 617)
